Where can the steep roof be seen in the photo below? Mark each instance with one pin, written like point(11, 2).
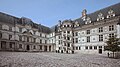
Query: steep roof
point(8, 18)
point(93, 16)
point(23, 21)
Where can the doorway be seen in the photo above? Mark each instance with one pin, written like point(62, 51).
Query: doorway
point(49, 48)
point(28, 47)
point(100, 51)
point(45, 48)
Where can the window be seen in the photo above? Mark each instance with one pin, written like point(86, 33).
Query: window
point(10, 45)
point(34, 40)
point(86, 47)
point(45, 41)
point(76, 33)
point(27, 39)
point(73, 40)
point(111, 35)
point(88, 31)
point(68, 38)
point(34, 32)
point(20, 29)
point(59, 41)
point(40, 47)
point(68, 26)
point(68, 32)
point(10, 28)
point(10, 36)
point(90, 47)
point(68, 45)
point(79, 48)
point(93, 38)
point(45, 36)
point(88, 39)
point(100, 29)
point(20, 45)
point(59, 37)
point(76, 40)
point(100, 46)
point(40, 35)
point(20, 38)
point(52, 40)
point(111, 28)
point(40, 41)
point(82, 32)
point(59, 48)
point(100, 37)
point(95, 47)
point(34, 47)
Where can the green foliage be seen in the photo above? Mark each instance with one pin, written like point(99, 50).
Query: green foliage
point(112, 44)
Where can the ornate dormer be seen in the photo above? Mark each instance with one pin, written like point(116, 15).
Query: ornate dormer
point(88, 20)
point(27, 21)
point(110, 14)
point(100, 17)
point(76, 24)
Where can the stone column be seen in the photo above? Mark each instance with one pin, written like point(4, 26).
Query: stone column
point(43, 48)
point(7, 47)
point(48, 48)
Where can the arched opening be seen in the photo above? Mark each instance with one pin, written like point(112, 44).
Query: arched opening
point(45, 48)
point(28, 47)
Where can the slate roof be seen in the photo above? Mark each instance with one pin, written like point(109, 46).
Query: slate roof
point(9, 19)
point(93, 16)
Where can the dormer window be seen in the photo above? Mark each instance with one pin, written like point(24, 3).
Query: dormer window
point(68, 26)
point(110, 13)
point(100, 17)
point(64, 25)
point(76, 24)
point(88, 20)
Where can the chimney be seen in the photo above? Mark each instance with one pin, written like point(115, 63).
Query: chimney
point(84, 13)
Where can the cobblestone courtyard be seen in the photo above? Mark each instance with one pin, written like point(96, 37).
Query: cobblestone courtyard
point(29, 59)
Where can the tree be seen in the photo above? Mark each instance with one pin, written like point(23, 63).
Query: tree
point(113, 44)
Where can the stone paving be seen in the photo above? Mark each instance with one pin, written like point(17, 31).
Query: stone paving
point(44, 59)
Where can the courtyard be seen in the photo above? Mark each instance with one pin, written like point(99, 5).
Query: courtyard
point(49, 59)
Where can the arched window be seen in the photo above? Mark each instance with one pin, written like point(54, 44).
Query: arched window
point(88, 20)
point(100, 17)
point(110, 14)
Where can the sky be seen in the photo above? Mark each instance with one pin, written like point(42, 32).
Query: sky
point(48, 12)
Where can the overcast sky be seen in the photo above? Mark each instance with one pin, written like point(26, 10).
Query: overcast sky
point(48, 12)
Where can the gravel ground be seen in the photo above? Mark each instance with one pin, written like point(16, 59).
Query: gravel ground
point(29, 59)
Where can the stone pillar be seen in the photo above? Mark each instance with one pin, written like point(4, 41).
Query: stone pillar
point(52, 48)
point(7, 47)
point(43, 48)
point(48, 48)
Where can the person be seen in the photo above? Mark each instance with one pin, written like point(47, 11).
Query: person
point(108, 54)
